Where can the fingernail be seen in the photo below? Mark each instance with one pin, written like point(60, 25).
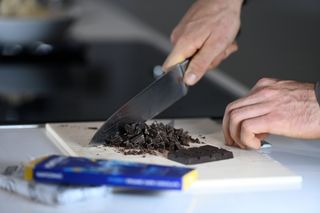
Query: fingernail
point(190, 78)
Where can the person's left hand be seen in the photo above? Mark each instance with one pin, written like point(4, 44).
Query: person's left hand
point(285, 108)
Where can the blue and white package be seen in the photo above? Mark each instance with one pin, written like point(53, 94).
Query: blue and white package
point(84, 171)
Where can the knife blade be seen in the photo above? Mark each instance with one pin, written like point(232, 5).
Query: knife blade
point(151, 101)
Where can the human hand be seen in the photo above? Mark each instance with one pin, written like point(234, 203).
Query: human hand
point(207, 32)
point(287, 108)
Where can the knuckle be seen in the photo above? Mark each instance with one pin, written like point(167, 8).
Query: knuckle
point(246, 126)
point(226, 112)
point(264, 81)
point(228, 52)
point(186, 38)
point(174, 35)
point(243, 138)
point(234, 48)
point(235, 116)
point(214, 64)
point(173, 38)
point(229, 107)
point(266, 92)
point(186, 42)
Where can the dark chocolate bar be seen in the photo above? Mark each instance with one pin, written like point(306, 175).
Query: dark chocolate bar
point(200, 154)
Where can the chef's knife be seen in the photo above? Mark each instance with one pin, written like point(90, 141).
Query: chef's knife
point(151, 101)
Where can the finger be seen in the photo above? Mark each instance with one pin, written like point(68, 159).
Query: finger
point(231, 49)
point(250, 99)
point(225, 127)
point(180, 52)
point(262, 136)
point(175, 35)
point(235, 145)
point(225, 54)
point(254, 98)
point(244, 101)
point(217, 60)
point(240, 114)
point(185, 47)
point(252, 127)
point(226, 131)
point(201, 61)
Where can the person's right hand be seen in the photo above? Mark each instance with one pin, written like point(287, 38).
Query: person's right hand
point(207, 32)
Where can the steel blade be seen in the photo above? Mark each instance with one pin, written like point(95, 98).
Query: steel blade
point(151, 101)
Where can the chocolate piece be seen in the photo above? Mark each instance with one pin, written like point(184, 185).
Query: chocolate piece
point(200, 154)
point(140, 138)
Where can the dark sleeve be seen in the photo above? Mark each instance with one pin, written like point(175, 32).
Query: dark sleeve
point(317, 90)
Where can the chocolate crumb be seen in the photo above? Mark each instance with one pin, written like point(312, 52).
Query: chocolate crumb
point(93, 128)
point(202, 136)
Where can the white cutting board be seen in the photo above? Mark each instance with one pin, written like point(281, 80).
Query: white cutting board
point(248, 168)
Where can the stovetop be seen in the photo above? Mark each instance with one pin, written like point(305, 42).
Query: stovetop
point(88, 81)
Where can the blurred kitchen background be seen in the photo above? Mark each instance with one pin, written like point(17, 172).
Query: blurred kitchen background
point(278, 38)
point(78, 60)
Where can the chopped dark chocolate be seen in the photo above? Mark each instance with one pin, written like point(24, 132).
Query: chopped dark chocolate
point(200, 154)
point(140, 138)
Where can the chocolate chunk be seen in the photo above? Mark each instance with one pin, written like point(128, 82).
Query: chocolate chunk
point(140, 138)
point(200, 154)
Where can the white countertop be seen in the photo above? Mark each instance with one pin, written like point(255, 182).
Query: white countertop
point(302, 157)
